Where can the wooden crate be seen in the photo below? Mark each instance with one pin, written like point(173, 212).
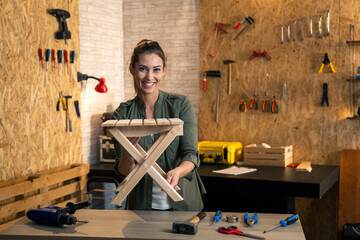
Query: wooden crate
point(52, 187)
point(276, 155)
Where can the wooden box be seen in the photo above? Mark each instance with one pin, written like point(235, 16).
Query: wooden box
point(276, 155)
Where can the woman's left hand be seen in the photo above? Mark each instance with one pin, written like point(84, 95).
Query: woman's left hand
point(173, 177)
point(175, 174)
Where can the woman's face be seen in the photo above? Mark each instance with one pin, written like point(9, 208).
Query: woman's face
point(148, 73)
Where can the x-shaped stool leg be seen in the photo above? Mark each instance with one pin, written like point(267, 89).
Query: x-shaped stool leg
point(146, 161)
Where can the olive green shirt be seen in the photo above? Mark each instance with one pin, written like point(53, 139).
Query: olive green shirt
point(182, 148)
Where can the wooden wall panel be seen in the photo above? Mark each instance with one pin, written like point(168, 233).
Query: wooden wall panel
point(32, 132)
point(318, 134)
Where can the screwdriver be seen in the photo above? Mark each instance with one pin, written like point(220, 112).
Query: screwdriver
point(72, 58)
point(66, 57)
point(47, 57)
point(53, 59)
point(217, 217)
point(60, 60)
point(284, 223)
point(41, 57)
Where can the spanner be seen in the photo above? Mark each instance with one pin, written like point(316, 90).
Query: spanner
point(310, 27)
point(294, 32)
point(288, 32)
point(320, 36)
point(282, 34)
point(302, 29)
point(327, 33)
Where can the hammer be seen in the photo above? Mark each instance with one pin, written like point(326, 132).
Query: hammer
point(229, 62)
point(68, 121)
point(189, 227)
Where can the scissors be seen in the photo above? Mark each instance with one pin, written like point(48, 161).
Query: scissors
point(236, 231)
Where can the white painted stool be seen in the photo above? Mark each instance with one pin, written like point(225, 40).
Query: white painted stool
point(146, 161)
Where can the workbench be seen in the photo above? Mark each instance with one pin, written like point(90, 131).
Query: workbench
point(124, 224)
point(269, 189)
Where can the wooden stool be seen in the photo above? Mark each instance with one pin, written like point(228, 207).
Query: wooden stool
point(146, 161)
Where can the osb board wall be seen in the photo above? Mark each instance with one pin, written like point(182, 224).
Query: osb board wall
point(317, 133)
point(32, 132)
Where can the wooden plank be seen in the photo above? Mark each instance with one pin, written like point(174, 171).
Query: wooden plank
point(109, 123)
point(175, 121)
point(136, 122)
point(254, 156)
point(304, 167)
point(123, 122)
point(162, 121)
point(149, 122)
point(268, 163)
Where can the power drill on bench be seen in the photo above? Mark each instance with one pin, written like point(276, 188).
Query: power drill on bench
point(61, 16)
point(56, 216)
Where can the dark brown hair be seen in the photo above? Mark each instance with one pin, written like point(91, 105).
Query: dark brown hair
point(147, 46)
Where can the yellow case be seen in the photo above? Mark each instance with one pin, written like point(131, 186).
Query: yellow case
point(220, 152)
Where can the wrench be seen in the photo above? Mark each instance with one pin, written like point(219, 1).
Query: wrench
point(302, 29)
point(282, 34)
point(310, 22)
point(327, 33)
point(288, 32)
point(294, 32)
point(320, 36)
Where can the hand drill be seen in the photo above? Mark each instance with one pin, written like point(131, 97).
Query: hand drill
point(61, 16)
point(55, 216)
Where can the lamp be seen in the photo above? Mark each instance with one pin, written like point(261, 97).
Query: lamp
point(101, 87)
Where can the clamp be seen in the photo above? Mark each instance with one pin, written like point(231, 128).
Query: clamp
point(216, 34)
point(260, 54)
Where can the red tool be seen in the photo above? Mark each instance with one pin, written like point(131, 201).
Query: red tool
point(249, 20)
point(41, 57)
point(216, 34)
point(66, 56)
point(254, 102)
point(239, 24)
point(236, 231)
point(53, 57)
point(258, 54)
point(274, 105)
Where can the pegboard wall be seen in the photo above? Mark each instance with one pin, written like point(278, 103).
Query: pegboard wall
point(33, 134)
point(317, 133)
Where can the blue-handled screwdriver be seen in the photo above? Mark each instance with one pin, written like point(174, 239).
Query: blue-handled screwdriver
point(60, 60)
point(217, 217)
point(47, 58)
point(284, 223)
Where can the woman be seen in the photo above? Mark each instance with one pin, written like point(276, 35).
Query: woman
point(180, 159)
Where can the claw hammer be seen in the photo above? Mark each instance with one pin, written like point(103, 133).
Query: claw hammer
point(229, 62)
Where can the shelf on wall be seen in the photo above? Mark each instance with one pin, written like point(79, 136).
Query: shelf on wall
point(354, 118)
point(354, 80)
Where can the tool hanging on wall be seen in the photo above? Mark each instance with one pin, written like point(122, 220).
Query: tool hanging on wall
point(352, 68)
point(294, 38)
point(243, 105)
point(266, 103)
point(217, 75)
point(41, 57)
point(326, 61)
point(320, 36)
point(327, 33)
point(229, 62)
point(260, 54)
point(250, 21)
point(59, 55)
point(325, 98)
point(77, 108)
point(215, 38)
point(254, 101)
point(282, 34)
point(284, 90)
point(61, 100)
point(72, 59)
point(47, 58)
point(66, 60)
point(68, 121)
point(53, 58)
point(61, 15)
point(310, 27)
point(274, 105)
point(288, 32)
point(302, 30)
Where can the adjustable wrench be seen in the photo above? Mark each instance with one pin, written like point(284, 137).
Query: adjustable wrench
point(327, 33)
point(302, 29)
point(282, 34)
point(288, 32)
point(310, 27)
point(320, 36)
point(294, 32)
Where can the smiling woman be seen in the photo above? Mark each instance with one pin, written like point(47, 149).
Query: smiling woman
point(180, 159)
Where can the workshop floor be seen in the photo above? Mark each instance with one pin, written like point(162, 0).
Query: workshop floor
point(101, 195)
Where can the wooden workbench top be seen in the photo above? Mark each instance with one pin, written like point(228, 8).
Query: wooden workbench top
point(120, 224)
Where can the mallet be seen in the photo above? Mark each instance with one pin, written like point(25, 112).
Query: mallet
point(189, 227)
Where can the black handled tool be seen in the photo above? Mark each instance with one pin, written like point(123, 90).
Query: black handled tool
point(61, 15)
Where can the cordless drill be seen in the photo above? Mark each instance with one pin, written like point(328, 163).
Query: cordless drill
point(56, 216)
point(61, 16)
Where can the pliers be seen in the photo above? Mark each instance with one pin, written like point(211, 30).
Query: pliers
point(266, 103)
point(61, 100)
point(254, 101)
point(326, 61)
point(274, 105)
point(243, 107)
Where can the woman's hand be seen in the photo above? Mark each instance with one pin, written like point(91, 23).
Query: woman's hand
point(175, 174)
